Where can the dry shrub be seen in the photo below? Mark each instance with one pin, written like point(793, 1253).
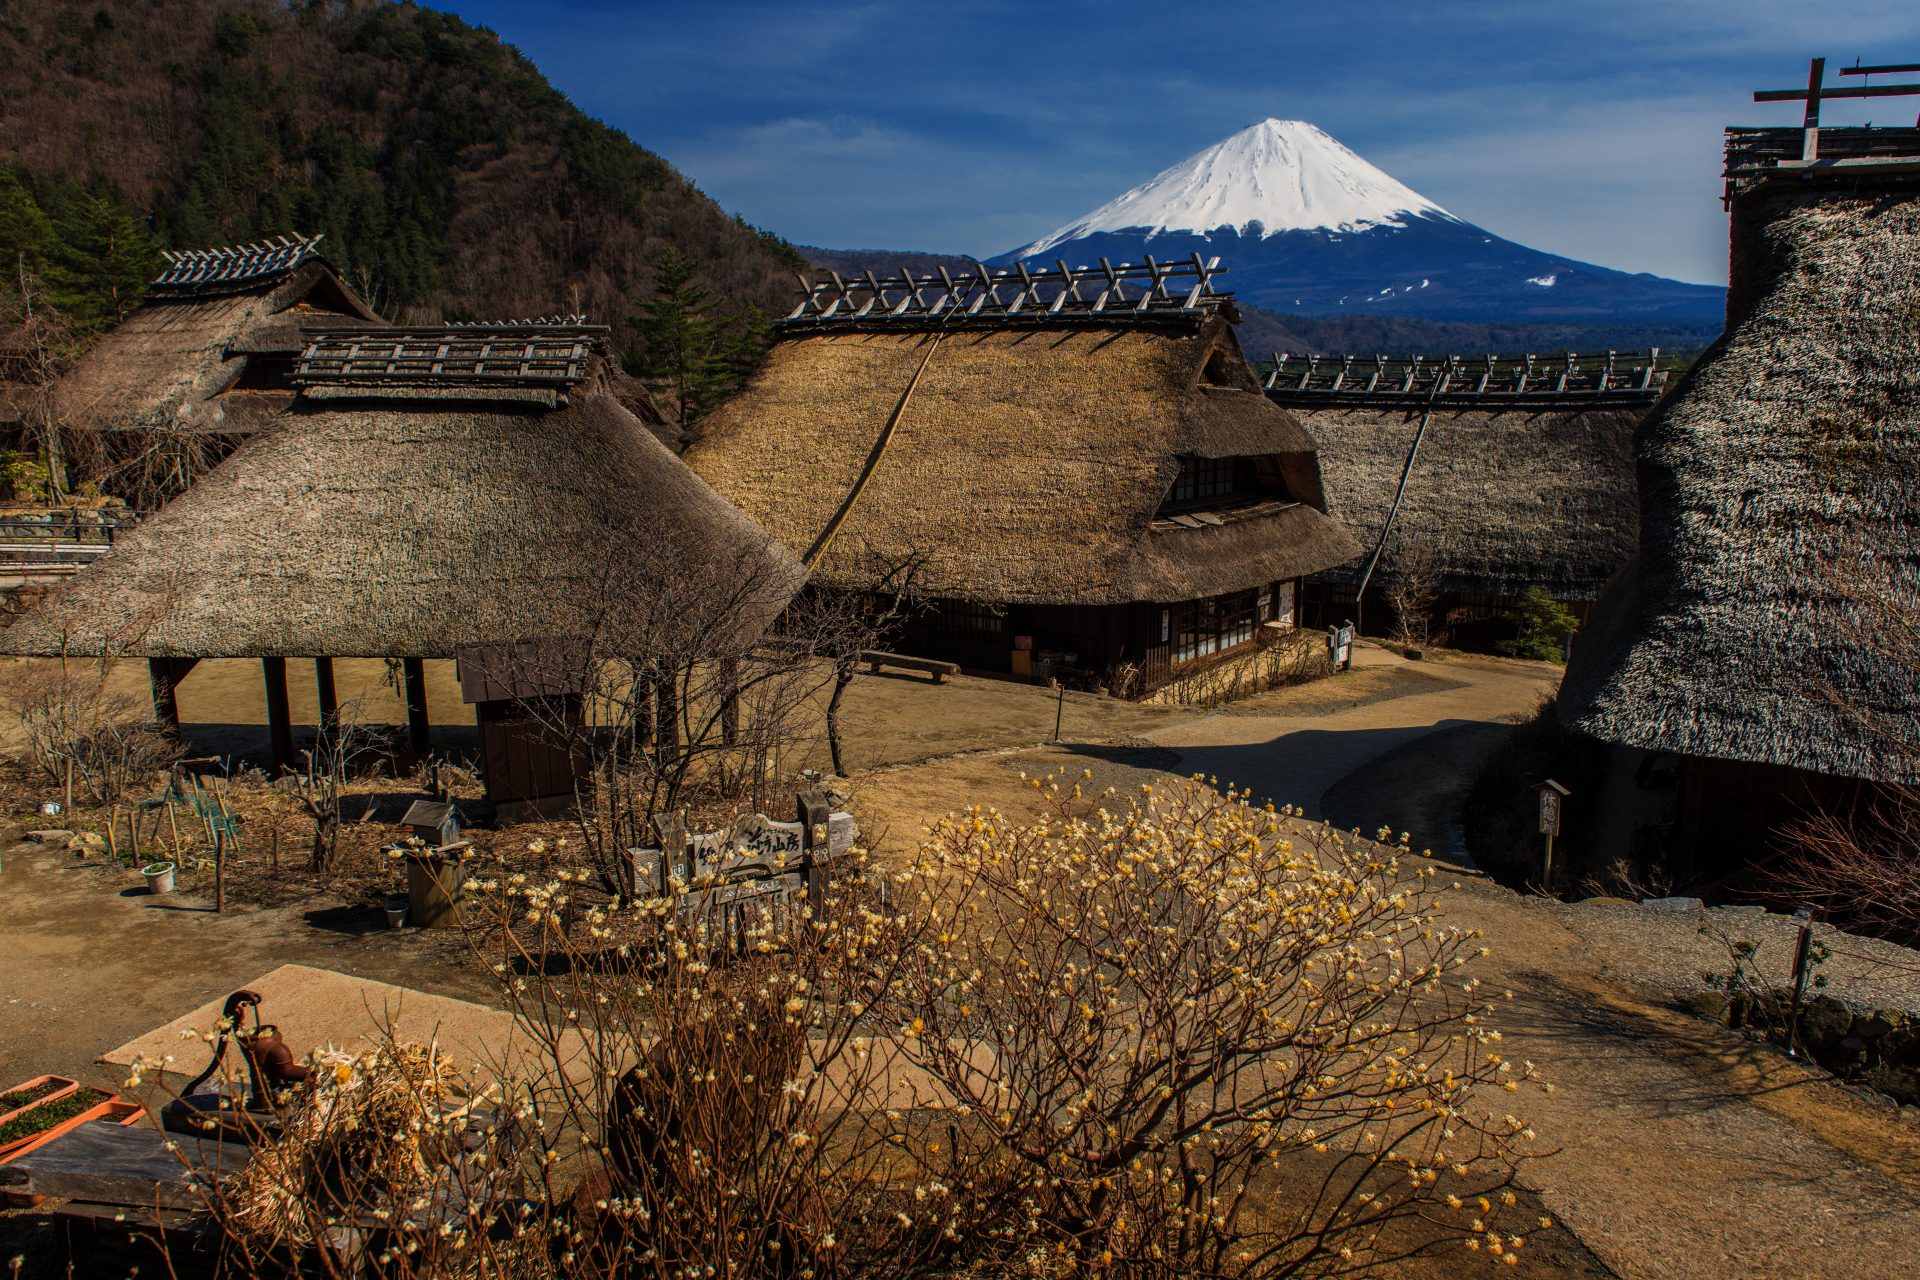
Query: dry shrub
point(1164, 1036)
point(78, 728)
point(1294, 659)
point(1861, 866)
point(384, 1128)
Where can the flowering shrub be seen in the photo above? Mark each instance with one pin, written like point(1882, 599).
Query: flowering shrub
point(1168, 1035)
point(1187, 1005)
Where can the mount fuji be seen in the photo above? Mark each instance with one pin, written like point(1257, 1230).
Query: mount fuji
point(1307, 228)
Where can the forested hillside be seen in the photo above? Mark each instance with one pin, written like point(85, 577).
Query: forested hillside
point(451, 180)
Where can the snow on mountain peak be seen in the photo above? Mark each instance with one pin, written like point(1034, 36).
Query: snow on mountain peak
point(1286, 175)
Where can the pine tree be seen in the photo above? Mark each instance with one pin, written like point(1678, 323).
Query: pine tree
point(104, 260)
point(684, 351)
point(26, 233)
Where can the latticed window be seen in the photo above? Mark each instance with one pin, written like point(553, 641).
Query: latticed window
point(967, 618)
point(1205, 627)
point(1204, 478)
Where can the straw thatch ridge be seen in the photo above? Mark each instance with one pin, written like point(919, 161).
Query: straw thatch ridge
point(1777, 492)
point(396, 529)
point(1499, 499)
point(166, 366)
point(1027, 466)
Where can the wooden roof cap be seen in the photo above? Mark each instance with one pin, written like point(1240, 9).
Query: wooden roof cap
point(195, 273)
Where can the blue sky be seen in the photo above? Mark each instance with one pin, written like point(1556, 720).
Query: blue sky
point(973, 126)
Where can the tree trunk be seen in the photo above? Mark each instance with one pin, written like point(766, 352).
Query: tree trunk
point(843, 673)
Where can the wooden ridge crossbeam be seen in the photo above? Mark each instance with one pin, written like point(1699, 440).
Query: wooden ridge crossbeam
point(1756, 154)
point(1105, 293)
point(1608, 377)
point(200, 272)
point(572, 321)
point(519, 354)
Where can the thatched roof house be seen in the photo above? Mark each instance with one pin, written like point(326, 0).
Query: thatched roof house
point(210, 348)
point(427, 492)
point(450, 493)
point(1523, 476)
point(1035, 450)
point(1778, 502)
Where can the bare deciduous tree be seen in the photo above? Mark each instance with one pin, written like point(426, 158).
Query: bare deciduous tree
point(1412, 589)
point(698, 695)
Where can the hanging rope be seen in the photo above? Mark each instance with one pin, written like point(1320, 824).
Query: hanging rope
point(879, 450)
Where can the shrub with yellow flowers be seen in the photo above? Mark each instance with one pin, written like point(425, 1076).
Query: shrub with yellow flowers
point(1189, 1035)
point(1165, 1034)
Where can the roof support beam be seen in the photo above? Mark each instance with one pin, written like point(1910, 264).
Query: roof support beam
point(324, 692)
point(163, 678)
point(414, 672)
point(279, 717)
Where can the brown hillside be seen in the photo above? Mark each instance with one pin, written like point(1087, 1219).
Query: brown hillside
point(450, 178)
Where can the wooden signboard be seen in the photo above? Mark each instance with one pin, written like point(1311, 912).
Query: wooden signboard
point(744, 872)
point(1340, 645)
point(1551, 794)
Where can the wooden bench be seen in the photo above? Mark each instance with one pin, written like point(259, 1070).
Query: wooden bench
point(934, 667)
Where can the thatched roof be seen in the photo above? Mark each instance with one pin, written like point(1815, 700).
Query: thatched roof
point(173, 363)
point(1499, 499)
point(380, 527)
point(1777, 492)
point(1028, 464)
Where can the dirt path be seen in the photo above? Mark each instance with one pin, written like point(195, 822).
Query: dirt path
point(1313, 746)
point(1686, 1150)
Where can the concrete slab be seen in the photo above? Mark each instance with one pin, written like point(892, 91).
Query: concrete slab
point(318, 1007)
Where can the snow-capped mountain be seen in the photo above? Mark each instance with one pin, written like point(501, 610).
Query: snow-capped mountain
point(1307, 227)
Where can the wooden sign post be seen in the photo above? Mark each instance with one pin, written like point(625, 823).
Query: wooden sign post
point(755, 867)
point(1551, 794)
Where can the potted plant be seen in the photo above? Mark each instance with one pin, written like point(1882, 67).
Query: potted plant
point(159, 877)
point(33, 1093)
point(42, 1124)
point(110, 1109)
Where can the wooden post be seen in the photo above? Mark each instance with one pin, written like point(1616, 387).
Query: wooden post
point(1550, 794)
point(219, 874)
point(415, 672)
point(1802, 949)
point(166, 707)
point(279, 718)
point(329, 700)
